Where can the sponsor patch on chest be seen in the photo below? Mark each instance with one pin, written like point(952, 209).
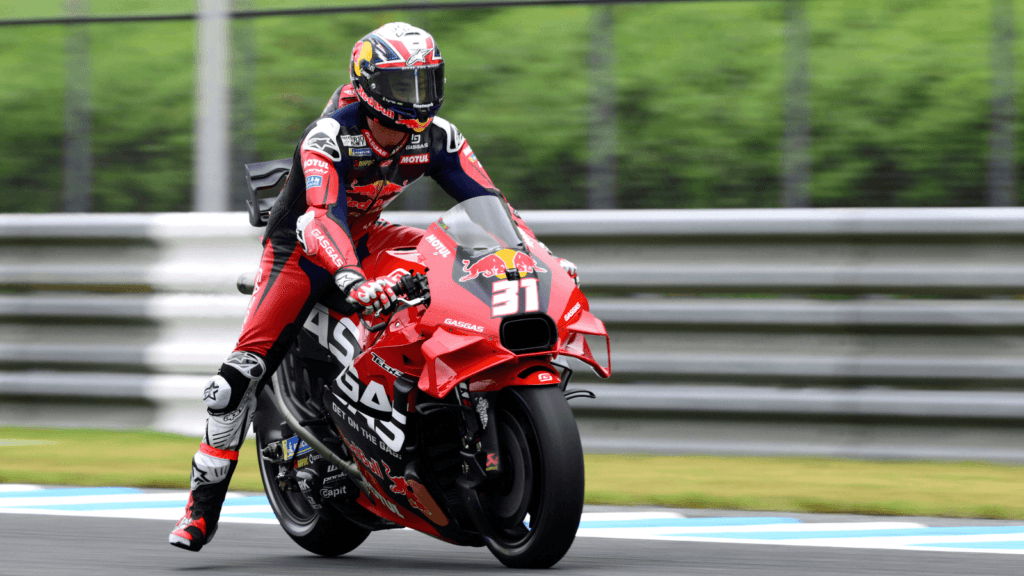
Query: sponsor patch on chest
point(356, 141)
point(360, 152)
point(416, 142)
point(415, 159)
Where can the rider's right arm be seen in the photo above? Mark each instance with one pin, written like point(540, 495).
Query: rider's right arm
point(323, 230)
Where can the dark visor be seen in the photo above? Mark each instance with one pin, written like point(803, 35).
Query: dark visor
point(415, 85)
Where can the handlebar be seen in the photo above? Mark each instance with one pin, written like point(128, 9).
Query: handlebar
point(413, 286)
point(416, 291)
point(412, 290)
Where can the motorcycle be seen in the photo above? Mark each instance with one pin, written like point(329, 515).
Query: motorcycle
point(450, 414)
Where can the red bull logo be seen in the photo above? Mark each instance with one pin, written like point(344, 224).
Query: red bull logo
point(401, 487)
point(374, 104)
point(369, 463)
point(374, 195)
point(498, 265)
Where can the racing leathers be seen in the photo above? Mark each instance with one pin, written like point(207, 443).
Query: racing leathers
point(324, 224)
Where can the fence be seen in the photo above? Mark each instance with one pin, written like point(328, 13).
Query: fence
point(754, 145)
point(871, 333)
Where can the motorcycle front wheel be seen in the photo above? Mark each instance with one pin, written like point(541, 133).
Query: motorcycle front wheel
point(309, 528)
point(536, 503)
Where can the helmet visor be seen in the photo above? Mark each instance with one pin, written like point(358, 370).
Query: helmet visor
point(414, 85)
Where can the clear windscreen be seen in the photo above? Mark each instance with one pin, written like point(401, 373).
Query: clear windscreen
point(416, 85)
point(481, 226)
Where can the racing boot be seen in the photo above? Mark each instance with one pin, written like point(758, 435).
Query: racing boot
point(230, 399)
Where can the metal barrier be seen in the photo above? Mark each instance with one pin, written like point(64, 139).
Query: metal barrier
point(860, 332)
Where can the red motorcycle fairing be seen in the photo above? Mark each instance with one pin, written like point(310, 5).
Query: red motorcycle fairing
point(384, 503)
point(466, 341)
point(456, 339)
point(533, 372)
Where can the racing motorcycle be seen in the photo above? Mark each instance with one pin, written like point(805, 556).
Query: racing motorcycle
point(449, 414)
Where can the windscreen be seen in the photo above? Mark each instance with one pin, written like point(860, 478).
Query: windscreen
point(482, 225)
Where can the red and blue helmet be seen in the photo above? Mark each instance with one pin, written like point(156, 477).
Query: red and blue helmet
point(398, 75)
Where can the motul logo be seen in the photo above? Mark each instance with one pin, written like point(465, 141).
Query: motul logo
point(417, 159)
point(439, 246)
point(315, 163)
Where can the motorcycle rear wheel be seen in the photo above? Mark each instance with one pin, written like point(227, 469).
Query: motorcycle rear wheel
point(309, 528)
point(542, 476)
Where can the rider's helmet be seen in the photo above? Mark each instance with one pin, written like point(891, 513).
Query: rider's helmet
point(398, 75)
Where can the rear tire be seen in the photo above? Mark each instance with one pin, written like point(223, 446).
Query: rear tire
point(542, 476)
point(309, 528)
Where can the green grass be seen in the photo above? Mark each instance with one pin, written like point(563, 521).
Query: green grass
point(963, 490)
point(967, 490)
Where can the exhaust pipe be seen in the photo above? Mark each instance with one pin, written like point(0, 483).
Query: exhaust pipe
point(345, 466)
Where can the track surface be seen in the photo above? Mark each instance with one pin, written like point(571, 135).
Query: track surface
point(39, 537)
point(59, 546)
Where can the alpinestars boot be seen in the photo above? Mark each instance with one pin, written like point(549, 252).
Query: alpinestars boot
point(230, 400)
point(197, 527)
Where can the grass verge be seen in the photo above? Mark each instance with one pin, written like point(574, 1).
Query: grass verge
point(966, 490)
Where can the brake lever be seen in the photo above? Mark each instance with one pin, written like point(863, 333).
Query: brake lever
point(406, 304)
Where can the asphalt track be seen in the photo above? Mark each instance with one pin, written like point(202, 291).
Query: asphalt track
point(77, 546)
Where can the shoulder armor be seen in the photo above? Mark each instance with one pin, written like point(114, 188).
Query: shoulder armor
point(455, 138)
point(323, 138)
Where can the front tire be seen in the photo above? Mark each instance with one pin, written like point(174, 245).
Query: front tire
point(309, 528)
point(542, 476)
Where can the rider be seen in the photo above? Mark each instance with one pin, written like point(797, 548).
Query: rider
point(376, 136)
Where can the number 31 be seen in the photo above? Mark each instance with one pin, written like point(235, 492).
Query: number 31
point(505, 296)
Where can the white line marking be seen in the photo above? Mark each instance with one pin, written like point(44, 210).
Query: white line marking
point(682, 532)
point(100, 499)
point(905, 543)
point(19, 488)
point(606, 516)
point(817, 533)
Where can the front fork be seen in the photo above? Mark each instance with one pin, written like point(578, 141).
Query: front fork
point(481, 457)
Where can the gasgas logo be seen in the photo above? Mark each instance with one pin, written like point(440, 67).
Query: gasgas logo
point(572, 312)
point(439, 246)
point(328, 249)
point(463, 325)
point(497, 264)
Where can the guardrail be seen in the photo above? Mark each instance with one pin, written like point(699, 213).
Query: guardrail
point(860, 332)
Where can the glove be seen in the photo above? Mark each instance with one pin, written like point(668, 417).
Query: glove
point(570, 269)
point(374, 296)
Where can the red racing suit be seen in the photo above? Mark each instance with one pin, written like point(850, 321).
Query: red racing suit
point(327, 216)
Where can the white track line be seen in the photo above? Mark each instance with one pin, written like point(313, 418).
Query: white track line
point(817, 533)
